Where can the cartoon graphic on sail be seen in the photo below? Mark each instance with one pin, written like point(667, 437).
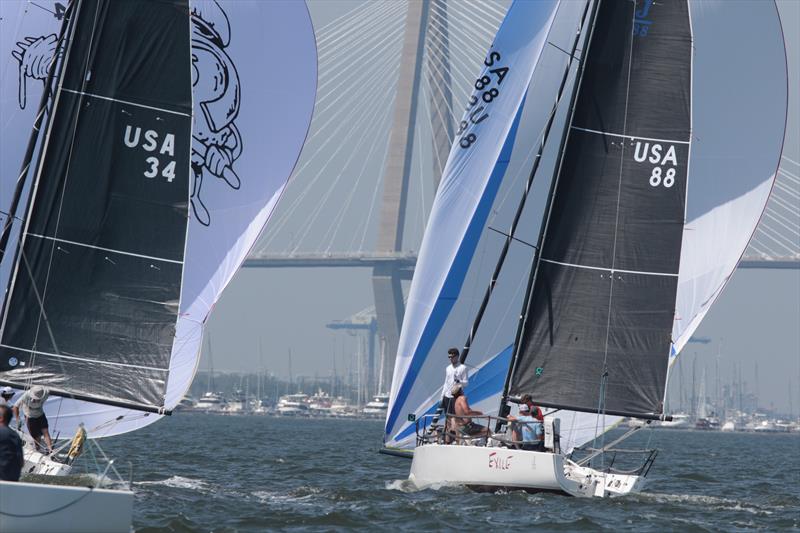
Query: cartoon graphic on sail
point(216, 141)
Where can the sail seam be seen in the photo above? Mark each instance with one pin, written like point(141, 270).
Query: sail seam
point(56, 239)
point(632, 137)
point(83, 93)
point(84, 359)
point(612, 270)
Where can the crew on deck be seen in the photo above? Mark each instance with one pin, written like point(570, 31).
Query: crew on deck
point(527, 430)
point(461, 424)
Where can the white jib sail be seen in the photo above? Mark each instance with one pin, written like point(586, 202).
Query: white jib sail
point(254, 77)
point(470, 181)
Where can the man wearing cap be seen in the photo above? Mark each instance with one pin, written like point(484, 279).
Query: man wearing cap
point(6, 393)
point(32, 402)
point(527, 429)
point(455, 373)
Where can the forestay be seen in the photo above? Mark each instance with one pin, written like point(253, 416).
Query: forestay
point(472, 176)
point(250, 126)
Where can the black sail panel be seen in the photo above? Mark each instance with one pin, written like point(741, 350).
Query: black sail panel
point(603, 299)
point(104, 242)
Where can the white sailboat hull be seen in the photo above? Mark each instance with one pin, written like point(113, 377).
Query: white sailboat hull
point(489, 467)
point(31, 507)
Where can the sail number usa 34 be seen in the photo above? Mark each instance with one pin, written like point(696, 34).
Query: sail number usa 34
point(160, 145)
point(487, 90)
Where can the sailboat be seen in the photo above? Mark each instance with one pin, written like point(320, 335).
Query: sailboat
point(92, 298)
point(635, 234)
point(120, 254)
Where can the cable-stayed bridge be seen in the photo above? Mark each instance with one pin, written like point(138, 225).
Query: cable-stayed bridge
point(393, 77)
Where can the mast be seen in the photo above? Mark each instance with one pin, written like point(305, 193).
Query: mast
point(520, 207)
point(590, 24)
point(37, 123)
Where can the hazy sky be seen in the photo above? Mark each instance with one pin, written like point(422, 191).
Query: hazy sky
point(756, 319)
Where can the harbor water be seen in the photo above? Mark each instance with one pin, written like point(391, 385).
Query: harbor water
point(198, 472)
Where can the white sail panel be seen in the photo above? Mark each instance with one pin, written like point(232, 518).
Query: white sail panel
point(254, 83)
point(21, 84)
point(473, 173)
point(738, 120)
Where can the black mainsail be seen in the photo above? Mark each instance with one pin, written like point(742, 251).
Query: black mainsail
point(596, 333)
point(92, 304)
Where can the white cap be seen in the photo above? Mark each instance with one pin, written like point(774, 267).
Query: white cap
point(7, 391)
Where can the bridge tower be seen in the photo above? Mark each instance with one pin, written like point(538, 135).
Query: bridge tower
point(387, 277)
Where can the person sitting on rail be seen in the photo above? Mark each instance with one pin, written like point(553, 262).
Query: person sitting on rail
point(461, 423)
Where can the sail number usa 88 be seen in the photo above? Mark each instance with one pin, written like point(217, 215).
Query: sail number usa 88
point(664, 159)
point(488, 89)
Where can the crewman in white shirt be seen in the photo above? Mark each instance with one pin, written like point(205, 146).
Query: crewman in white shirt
point(455, 372)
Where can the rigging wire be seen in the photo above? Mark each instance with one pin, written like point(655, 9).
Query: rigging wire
point(358, 96)
point(382, 140)
point(372, 133)
point(457, 64)
point(439, 165)
point(353, 131)
point(340, 22)
point(461, 32)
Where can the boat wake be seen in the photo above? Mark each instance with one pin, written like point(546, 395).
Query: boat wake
point(711, 503)
point(302, 496)
point(179, 482)
point(402, 485)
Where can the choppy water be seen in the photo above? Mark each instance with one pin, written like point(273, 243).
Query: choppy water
point(195, 472)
